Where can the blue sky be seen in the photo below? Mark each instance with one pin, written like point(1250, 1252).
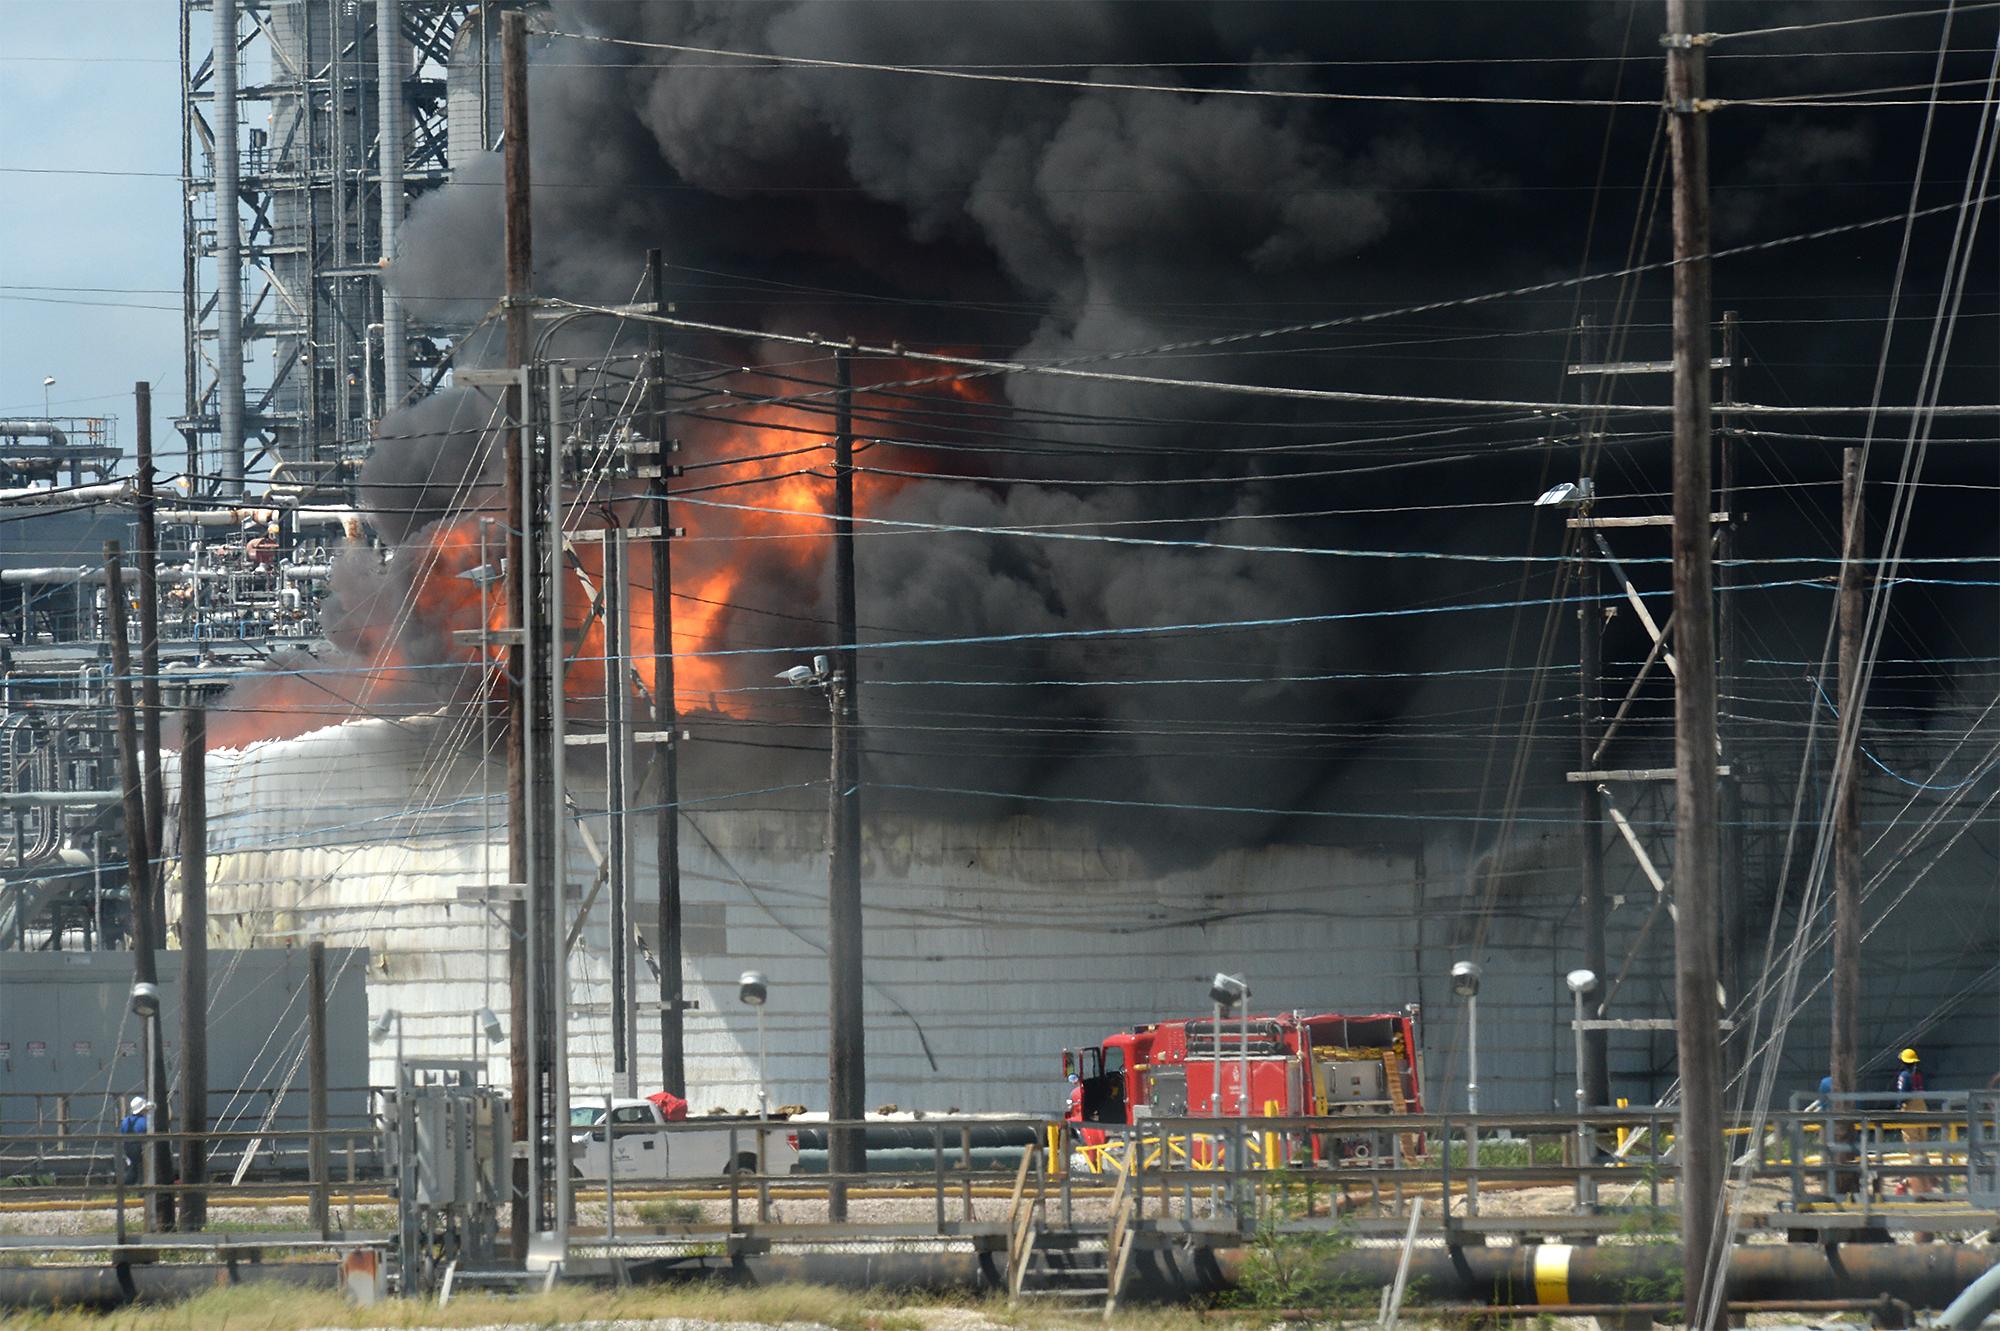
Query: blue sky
point(90, 86)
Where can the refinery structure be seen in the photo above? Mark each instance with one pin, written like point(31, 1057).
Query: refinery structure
point(358, 784)
point(557, 627)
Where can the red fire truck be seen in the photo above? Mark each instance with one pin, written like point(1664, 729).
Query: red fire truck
point(1327, 1066)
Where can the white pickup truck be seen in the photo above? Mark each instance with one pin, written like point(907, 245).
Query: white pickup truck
point(694, 1148)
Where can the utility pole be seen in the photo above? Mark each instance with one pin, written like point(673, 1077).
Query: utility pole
point(520, 349)
point(149, 659)
point(1698, 1010)
point(618, 797)
point(666, 719)
point(1730, 872)
point(1847, 790)
point(1590, 642)
point(317, 1209)
point(846, 1049)
point(194, 965)
point(139, 879)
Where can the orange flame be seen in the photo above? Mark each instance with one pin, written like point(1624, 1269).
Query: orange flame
point(773, 459)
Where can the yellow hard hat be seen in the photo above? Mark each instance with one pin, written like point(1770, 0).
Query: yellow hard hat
point(1908, 1055)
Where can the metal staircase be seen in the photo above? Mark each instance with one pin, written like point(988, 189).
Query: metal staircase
point(1076, 1268)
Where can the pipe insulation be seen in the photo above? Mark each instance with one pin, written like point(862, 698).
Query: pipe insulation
point(228, 260)
point(319, 515)
point(48, 575)
point(60, 499)
point(32, 429)
point(1973, 1305)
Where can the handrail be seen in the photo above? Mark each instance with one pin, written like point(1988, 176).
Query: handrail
point(1118, 1246)
point(1020, 1225)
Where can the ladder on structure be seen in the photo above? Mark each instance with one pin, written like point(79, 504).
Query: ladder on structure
point(1392, 1065)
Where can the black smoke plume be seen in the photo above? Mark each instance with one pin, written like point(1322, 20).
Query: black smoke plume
point(1051, 222)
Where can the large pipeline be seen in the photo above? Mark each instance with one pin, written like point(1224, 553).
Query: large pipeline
point(917, 1136)
point(1550, 1275)
point(1923, 1276)
point(97, 1288)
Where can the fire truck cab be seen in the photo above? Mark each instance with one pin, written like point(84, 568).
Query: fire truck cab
point(1287, 1065)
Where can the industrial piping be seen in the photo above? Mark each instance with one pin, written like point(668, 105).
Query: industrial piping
point(228, 261)
point(1552, 1275)
point(389, 111)
point(48, 430)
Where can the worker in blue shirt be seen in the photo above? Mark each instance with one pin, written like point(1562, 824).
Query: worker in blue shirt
point(1910, 1090)
point(135, 1125)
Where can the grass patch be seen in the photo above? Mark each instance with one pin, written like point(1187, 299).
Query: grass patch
point(669, 1212)
point(277, 1308)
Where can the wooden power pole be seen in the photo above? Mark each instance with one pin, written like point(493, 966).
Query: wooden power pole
point(520, 348)
point(666, 720)
point(148, 560)
point(1847, 789)
point(1698, 1008)
point(140, 881)
point(194, 965)
point(319, 1213)
point(1590, 643)
point(846, 1049)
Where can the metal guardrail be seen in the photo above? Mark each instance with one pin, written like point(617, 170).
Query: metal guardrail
point(1187, 1177)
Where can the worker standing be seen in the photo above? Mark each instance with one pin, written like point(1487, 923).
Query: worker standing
point(1910, 1096)
point(134, 1125)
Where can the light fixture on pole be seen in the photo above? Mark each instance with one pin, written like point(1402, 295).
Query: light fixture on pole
point(1227, 992)
point(486, 1022)
point(48, 382)
point(391, 1019)
point(752, 990)
point(145, 1003)
point(846, 1070)
point(1581, 982)
point(1465, 983)
point(1568, 494)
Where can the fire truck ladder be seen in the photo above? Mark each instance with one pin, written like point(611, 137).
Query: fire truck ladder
point(1392, 1064)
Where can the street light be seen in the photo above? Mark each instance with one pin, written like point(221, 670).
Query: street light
point(752, 989)
point(390, 1018)
point(486, 1022)
point(145, 1001)
point(1226, 992)
point(815, 676)
point(1567, 494)
point(1465, 983)
point(846, 1075)
point(48, 382)
point(1581, 982)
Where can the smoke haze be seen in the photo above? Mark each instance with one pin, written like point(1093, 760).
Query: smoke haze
point(1054, 222)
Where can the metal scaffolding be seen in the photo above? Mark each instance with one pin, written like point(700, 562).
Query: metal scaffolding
point(288, 278)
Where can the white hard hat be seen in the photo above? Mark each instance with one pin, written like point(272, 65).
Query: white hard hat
point(138, 1104)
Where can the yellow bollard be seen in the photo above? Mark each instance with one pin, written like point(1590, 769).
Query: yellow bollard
point(1623, 1131)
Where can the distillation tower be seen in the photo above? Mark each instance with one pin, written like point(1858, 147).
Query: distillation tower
point(308, 127)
